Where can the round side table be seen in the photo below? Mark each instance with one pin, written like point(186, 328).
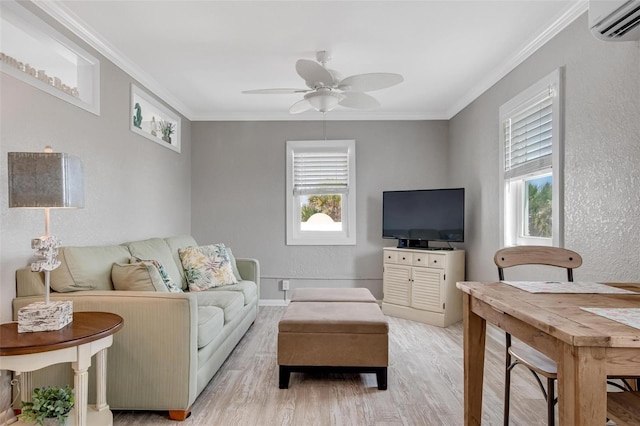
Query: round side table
point(89, 333)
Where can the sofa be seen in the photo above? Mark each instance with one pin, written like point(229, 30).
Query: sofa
point(172, 343)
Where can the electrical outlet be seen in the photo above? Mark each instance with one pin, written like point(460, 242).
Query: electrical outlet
point(285, 285)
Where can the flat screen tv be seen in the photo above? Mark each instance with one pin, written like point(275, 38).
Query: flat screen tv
point(416, 217)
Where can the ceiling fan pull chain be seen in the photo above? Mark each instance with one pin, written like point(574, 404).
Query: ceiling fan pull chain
point(324, 125)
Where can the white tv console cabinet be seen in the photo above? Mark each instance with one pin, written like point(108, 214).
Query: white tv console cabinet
point(420, 285)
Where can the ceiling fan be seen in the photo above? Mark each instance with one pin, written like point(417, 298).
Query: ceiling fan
point(327, 89)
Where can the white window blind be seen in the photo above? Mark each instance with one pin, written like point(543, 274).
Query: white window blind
point(320, 173)
point(528, 137)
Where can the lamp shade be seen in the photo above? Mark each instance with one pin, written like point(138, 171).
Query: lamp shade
point(324, 100)
point(45, 180)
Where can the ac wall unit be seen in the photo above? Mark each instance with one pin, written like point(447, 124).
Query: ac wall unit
point(615, 20)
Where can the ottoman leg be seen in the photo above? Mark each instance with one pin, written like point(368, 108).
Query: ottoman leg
point(381, 375)
point(285, 372)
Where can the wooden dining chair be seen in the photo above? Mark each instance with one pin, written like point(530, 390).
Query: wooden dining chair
point(539, 364)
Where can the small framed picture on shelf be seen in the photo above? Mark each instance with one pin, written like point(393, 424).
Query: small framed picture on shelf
point(151, 119)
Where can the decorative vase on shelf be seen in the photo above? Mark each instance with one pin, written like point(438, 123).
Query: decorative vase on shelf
point(167, 129)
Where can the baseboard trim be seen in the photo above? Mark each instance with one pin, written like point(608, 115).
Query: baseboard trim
point(273, 302)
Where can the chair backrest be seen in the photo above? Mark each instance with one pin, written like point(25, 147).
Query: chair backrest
point(537, 255)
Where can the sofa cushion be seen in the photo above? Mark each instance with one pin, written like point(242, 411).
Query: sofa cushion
point(164, 276)
point(210, 324)
point(156, 249)
point(206, 266)
point(137, 277)
point(176, 243)
point(87, 268)
point(249, 290)
point(231, 302)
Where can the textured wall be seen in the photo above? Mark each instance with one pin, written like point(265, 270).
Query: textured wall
point(238, 193)
point(602, 154)
point(134, 188)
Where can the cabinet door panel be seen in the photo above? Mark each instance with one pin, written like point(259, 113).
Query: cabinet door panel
point(426, 291)
point(397, 284)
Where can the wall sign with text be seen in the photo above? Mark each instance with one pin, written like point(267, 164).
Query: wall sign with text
point(35, 53)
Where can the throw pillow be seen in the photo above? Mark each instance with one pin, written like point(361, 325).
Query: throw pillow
point(206, 267)
point(166, 279)
point(234, 266)
point(137, 277)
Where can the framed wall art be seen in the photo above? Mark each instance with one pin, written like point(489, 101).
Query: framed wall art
point(151, 119)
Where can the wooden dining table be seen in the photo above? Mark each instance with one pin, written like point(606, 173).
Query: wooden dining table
point(587, 347)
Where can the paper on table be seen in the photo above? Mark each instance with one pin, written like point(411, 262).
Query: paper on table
point(626, 316)
point(566, 287)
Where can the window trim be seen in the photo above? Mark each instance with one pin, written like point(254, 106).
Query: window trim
point(295, 236)
point(510, 214)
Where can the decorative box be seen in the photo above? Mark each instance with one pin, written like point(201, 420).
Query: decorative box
point(40, 316)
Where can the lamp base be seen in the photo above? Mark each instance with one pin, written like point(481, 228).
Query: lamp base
point(40, 316)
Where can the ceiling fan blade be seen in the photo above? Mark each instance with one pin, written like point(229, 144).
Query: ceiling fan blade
point(300, 106)
point(359, 100)
point(370, 82)
point(314, 74)
point(274, 91)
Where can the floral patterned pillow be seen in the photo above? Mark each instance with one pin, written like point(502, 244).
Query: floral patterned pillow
point(207, 267)
point(171, 286)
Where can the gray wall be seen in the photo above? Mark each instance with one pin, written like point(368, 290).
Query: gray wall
point(228, 183)
point(134, 188)
point(238, 193)
point(602, 155)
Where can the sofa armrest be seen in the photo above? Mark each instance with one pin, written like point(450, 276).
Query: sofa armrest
point(249, 270)
point(153, 360)
point(29, 283)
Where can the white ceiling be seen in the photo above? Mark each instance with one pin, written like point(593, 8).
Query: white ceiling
point(199, 55)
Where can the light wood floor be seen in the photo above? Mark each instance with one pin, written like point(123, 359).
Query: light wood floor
point(424, 377)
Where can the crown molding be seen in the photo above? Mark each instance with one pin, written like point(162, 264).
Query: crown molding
point(316, 116)
point(570, 14)
point(73, 23)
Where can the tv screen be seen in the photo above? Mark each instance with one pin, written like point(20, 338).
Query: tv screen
point(424, 215)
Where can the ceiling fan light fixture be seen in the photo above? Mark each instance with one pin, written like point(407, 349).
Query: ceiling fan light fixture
point(324, 101)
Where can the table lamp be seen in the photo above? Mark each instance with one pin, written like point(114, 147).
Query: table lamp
point(45, 180)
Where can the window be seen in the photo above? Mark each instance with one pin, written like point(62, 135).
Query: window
point(321, 192)
point(531, 166)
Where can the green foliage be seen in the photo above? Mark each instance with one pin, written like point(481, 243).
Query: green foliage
point(331, 205)
point(167, 128)
point(48, 402)
point(307, 211)
point(539, 210)
point(137, 119)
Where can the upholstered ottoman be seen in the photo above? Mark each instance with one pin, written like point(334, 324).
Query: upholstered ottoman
point(337, 336)
point(313, 294)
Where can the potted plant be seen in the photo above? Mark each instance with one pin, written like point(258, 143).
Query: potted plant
point(167, 128)
point(50, 403)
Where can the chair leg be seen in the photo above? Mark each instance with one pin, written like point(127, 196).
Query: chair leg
point(507, 394)
point(507, 380)
point(551, 402)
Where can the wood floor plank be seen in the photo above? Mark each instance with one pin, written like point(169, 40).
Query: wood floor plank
point(425, 386)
